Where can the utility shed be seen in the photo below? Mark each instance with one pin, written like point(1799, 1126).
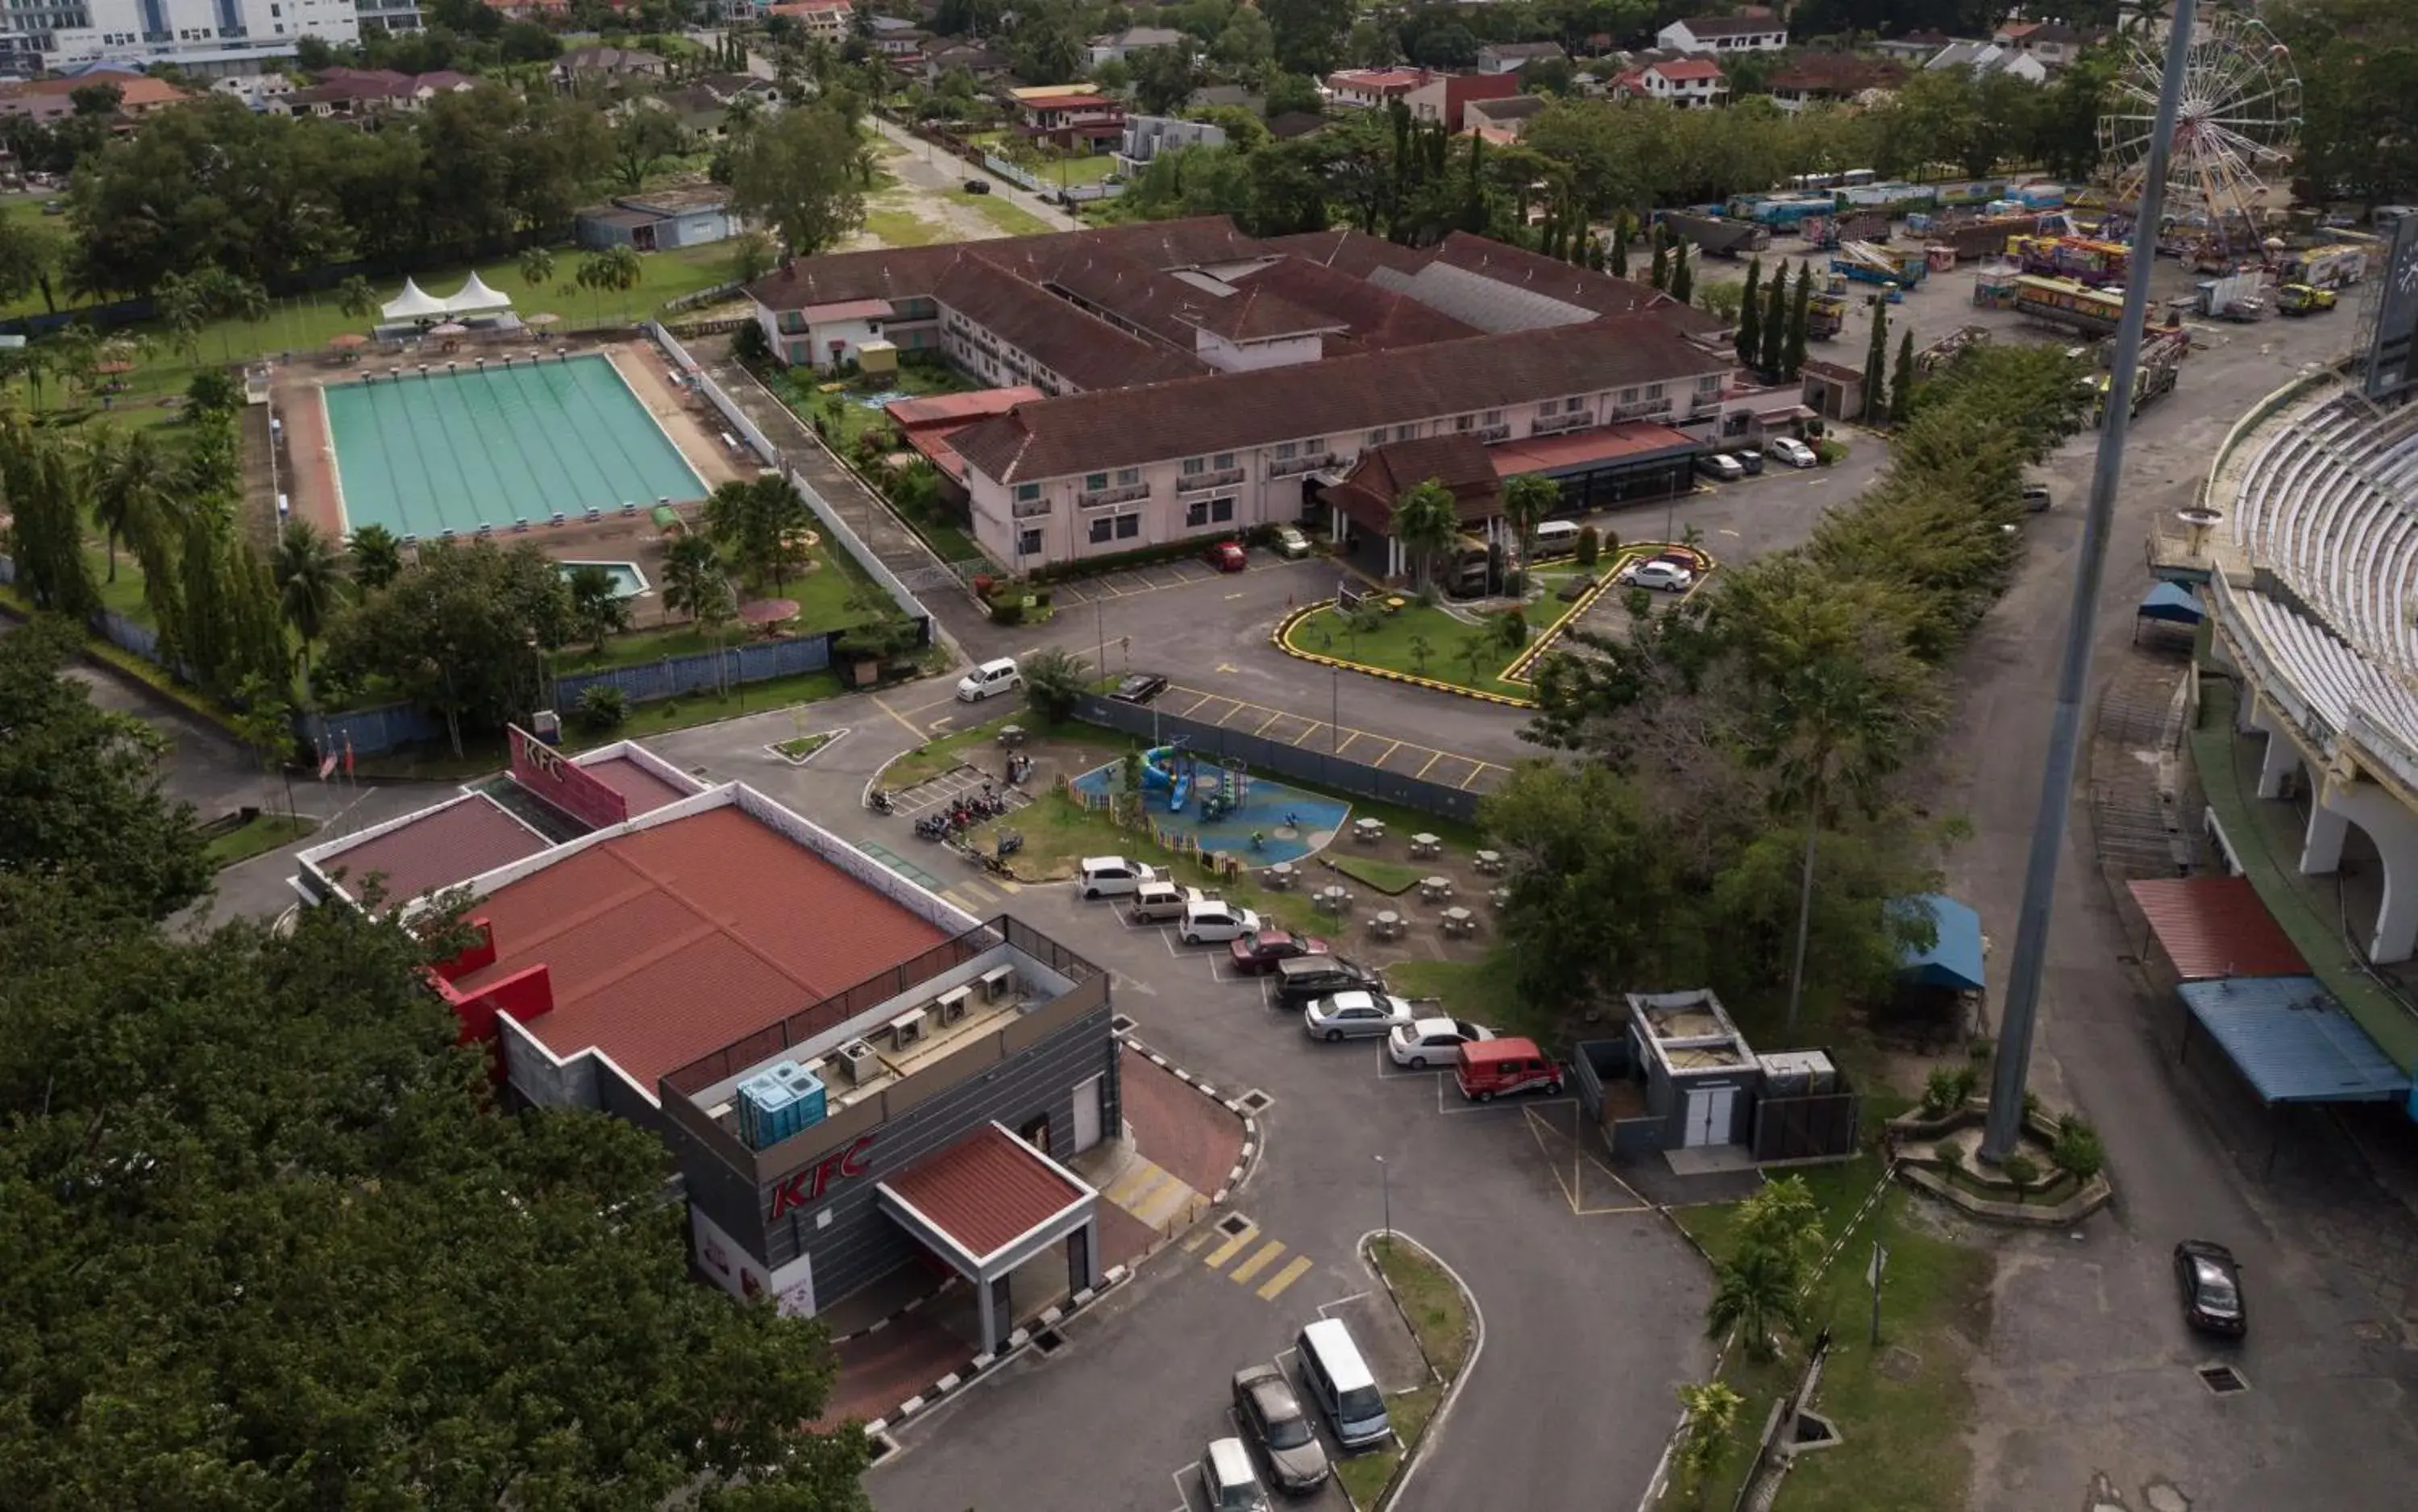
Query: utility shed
point(1700, 1076)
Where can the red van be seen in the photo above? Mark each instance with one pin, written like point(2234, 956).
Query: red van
point(1489, 1068)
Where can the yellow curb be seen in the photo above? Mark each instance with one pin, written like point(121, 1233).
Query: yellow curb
point(1284, 627)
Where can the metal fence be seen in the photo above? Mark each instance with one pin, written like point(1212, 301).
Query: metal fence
point(369, 731)
point(675, 675)
point(1317, 767)
point(1807, 1128)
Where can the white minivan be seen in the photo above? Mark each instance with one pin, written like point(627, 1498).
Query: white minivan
point(1554, 537)
point(1340, 1381)
point(999, 675)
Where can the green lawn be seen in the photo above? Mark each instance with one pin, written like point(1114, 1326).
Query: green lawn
point(1011, 219)
point(822, 597)
point(1906, 1412)
point(256, 837)
point(1422, 640)
point(835, 403)
point(1439, 1318)
point(1481, 991)
point(1391, 877)
point(903, 228)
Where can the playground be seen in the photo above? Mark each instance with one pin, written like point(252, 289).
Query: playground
point(1223, 808)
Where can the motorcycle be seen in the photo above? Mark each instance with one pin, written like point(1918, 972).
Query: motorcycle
point(877, 800)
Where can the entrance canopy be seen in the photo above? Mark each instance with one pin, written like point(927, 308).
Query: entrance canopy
point(2216, 927)
point(475, 296)
point(2292, 1040)
point(988, 1203)
point(2170, 604)
point(1954, 959)
point(413, 303)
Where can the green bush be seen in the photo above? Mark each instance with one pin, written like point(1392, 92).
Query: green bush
point(602, 708)
point(2077, 1152)
point(1945, 1090)
point(2019, 1168)
point(1590, 546)
point(1952, 1156)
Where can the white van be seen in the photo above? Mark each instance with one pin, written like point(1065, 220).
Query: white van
point(1338, 1381)
point(1111, 877)
point(999, 675)
point(1555, 538)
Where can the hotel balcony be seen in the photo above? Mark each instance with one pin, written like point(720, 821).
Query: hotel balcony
point(1098, 499)
point(1557, 424)
point(1197, 482)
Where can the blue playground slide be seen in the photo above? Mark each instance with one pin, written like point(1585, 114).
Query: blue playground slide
point(1155, 776)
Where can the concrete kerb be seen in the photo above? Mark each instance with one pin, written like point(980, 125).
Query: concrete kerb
point(1246, 1165)
point(1409, 1467)
point(1284, 628)
point(983, 1365)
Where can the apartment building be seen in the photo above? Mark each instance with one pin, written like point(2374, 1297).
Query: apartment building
point(1370, 89)
point(206, 35)
point(1748, 32)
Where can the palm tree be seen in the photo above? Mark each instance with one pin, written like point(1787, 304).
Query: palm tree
point(1757, 1293)
point(692, 575)
point(182, 304)
point(537, 267)
point(597, 604)
point(310, 577)
point(617, 269)
point(356, 299)
point(234, 299)
point(377, 556)
point(1427, 522)
point(1526, 500)
point(131, 491)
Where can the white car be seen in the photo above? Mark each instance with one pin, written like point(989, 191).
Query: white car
point(1670, 577)
point(1291, 544)
point(1432, 1041)
point(1356, 1015)
point(1111, 877)
point(993, 676)
point(1214, 920)
point(1791, 451)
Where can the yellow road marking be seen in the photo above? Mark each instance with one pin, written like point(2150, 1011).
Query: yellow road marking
point(1346, 745)
point(1195, 704)
point(1225, 1252)
point(912, 727)
point(1134, 1185)
point(1265, 723)
point(1241, 1275)
point(1276, 1283)
point(1389, 750)
point(1431, 761)
point(1228, 668)
point(1477, 771)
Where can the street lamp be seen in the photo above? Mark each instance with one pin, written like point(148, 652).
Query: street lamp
point(1385, 1189)
point(1335, 711)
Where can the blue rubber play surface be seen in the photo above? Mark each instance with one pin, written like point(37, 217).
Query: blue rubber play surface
point(1290, 823)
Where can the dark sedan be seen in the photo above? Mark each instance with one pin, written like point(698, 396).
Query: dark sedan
point(1138, 687)
point(1257, 953)
point(2211, 1280)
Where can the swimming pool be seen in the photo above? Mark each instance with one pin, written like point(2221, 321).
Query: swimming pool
point(451, 451)
point(629, 579)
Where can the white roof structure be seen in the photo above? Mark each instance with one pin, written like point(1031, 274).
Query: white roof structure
point(475, 296)
point(413, 303)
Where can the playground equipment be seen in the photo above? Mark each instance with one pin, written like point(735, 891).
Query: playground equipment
point(1179, 772)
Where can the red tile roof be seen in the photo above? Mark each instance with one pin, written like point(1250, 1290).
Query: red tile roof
point(1383, 474)
point(985, 1191)
point(439, 848)
point(2215, 926)
point(850, 310)
point(1390, 80)
point(645, 791)
point(1375, 318)
point(1085, 350)
point(1684, 70)
point(953, 410)
point(666, 944)
point(1543, 453)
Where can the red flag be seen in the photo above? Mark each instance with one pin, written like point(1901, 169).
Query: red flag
point(348, 753)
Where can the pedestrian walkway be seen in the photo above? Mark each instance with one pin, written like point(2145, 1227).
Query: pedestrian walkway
point(1311, 733)
point(1252, 1254)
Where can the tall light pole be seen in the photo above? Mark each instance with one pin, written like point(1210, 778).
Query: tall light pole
point(1386, 1192)
point(2022, 1011)
point(1334, 712)
point(1100, 628)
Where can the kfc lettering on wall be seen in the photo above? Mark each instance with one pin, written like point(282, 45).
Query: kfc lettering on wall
point(805, 1186)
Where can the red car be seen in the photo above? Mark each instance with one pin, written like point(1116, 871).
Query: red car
point(1227, 557)
point(1256, 955)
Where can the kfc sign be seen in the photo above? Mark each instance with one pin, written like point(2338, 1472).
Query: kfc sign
point(806, 1185)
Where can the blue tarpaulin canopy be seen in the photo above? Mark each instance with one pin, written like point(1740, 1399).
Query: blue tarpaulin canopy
point(1954, 959)
point(2293, 1040)
point(2171, 603)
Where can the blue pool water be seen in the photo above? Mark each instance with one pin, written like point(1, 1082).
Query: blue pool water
point(628, 581)
point(1292, 823)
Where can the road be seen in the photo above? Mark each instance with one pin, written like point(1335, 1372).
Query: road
point(2088, 1371)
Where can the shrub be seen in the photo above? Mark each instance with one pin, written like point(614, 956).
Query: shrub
point(213, 391)
point(749, 345)
point(2019, 1168)
point(1590, 546)
point(602, 708)
point(1981, 1047)
point(1007, 607)
point(2077, 1152)
point(1951, 1156)
point(1946, 1089)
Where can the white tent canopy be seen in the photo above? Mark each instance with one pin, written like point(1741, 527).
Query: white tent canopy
point(476, 295)
point(414, 303)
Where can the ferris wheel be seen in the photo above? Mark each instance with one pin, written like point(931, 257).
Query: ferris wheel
point(2239, 122)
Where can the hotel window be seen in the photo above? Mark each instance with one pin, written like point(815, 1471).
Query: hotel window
point(1195, 466)
point(1377, 437)
point(1628, 396)
point(1465, 422)
point(1100, 530)
point(1287, 451)
point(1653, 390)
point(1221, 510)
point(1129, 527)
point(1094, 482)
point(1127, 477)
point(1027, 544)
point(1492, 417)
point(1404, 432)
point(1027, 493)
point(1225, 460)
point(1709, 384)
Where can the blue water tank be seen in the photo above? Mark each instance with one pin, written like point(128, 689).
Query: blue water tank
point(765, 1116)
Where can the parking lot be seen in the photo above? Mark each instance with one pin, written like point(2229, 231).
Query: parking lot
point(1156, 578)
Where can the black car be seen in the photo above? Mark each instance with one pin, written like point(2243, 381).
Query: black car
point(977, 185)
point(1306, 978)
point(1138, 687)
point(2210, 1279)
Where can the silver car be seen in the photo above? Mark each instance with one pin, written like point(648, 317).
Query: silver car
point(1271, 1417)
point(1356, 1015)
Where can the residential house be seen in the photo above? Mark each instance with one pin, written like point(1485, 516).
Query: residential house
point(983, 65)
point(1500, 121)
point(1756, 32)
point(1295, 123)
point(1116, 47)
point(726, 88)
point(1147, 136)
point(1914, 46)
point(1831, 78)
point(346, 94)
point(530, 9)
point(660, 220)
point(1690, 84)
point(900, 42)
point(1371, 88)
point(138, 95)
point(1989, 57)
point(2052, 42)
point(699, 110)
point(1446, 97)
point(616, 64)
point(1071, 120)
point(1511, 58)
point(1196, 381)
point(822, 21)
point(256, 89)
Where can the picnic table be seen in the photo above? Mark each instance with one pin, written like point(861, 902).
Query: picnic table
point(1424, 844)
point(1458, 921)
point(1369, 831)
point(1281, 876)
point(1500, 898)
point(1489, 862)
point(1435, 889)
point(1386, 926)
point(1011, 736)
point(1333, 899)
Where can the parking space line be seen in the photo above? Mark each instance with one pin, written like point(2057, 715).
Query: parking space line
point(1433, 758)
point(1242, 1274)
point(1574, 1189)
point(1195, 704)
point(1389, 750)
point(1217, 1258)
point(1293, 1272)
point(1265, 723)
point(1346, 745)
point(1476, 770)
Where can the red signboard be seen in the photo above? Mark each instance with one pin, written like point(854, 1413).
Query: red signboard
point(554, 777)
point(806, 1185)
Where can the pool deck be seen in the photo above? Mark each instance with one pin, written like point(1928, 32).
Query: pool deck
point(308, 469)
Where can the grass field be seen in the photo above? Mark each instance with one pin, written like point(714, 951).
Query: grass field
point(1483, 992)
point(1391, 877)
point(822, 597)
point(903, 228)
point(1423, 640)
point(1011, 219)
point(1439, 1319)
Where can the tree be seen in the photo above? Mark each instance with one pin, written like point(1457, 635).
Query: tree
point(615, 268)
point(310, 577)
point(1902, 383)
point(1527, 499)
point(377, 556)
point(264, 721)
point(1165, 77)
point(692, 575)
point(81, 802)
point(1683, 275)
point(1594, 883)
point(1307, 33)
point(246, 1168)
point(644, 136)
point(804, 175)
point(31, 256)
point(1292, 93)
point(597, 606)
point(752, 256)
point(129, 491)
point(1053, 680)
point(356, 299)
point(1661, 276)
point(1799, 312)
point(1621, 231)
point(1754, 1291)
point(1712, 1411)
point(1877, 367)
point(760, 523)
point(537, 265)
point(43, 490)
point(1426, 522)
point(1775, 326)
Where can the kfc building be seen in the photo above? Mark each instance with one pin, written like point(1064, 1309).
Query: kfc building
point(852, 1074)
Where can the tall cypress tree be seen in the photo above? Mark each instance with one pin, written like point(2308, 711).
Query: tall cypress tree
point(1620, 245)
point(1877, 366)
point(1902, 382)
point(1750, 327)
point(1792, 358)
point(1661, 277)
point(1683, 276)
point(1775, 326)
